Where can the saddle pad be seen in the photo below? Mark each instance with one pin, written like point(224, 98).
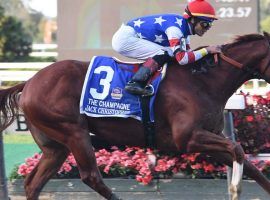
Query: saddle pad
point(103, 93)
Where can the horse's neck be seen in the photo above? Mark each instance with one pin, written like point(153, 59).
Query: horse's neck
point(229, 77)
point(223, 81)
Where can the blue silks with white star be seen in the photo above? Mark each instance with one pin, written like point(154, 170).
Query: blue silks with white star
point(103, 93)
point(156, 28)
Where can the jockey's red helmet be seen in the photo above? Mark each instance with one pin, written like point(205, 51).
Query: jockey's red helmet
point(201, 9)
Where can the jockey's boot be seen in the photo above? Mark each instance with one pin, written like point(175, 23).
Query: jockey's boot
point(138, 82)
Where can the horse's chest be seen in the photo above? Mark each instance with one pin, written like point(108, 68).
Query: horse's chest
point(212, 119)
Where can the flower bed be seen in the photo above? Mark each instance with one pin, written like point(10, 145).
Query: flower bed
point(252, 127)
point(134, 163)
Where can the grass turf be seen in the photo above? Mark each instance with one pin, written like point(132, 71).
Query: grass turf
point(16, 149)
point(18, 139)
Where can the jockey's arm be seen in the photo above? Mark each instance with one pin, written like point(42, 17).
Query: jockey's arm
point(185, 57)
point(181, 47)
point(188, 44)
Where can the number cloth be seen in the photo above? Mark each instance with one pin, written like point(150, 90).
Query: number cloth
point(103, 93)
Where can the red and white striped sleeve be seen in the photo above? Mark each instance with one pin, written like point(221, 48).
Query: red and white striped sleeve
point(181, 47)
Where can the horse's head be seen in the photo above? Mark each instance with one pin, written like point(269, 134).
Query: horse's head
point(265, 65)
point(254, 52)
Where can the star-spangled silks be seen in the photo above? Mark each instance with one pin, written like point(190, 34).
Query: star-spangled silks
point(158, 28)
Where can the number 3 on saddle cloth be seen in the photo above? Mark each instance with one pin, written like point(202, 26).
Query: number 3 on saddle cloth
point(103, 93)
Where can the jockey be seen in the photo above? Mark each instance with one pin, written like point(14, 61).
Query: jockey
point(157, 38)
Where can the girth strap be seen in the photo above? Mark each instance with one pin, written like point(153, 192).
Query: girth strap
point(149, 127)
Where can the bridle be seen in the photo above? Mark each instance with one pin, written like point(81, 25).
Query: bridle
point(228, 60)
point(254, 72)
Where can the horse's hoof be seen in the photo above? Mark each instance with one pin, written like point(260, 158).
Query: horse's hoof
point(235, 192)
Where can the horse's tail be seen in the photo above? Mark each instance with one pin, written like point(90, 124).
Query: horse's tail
point(9, 105)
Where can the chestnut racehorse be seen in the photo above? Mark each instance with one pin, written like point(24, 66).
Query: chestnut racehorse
point(188, 112)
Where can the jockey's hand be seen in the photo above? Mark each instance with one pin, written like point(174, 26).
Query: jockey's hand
point(214, 49)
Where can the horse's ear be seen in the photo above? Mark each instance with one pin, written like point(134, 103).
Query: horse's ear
point(267, 35)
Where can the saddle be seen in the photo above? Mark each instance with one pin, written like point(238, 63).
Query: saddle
point(103, 93)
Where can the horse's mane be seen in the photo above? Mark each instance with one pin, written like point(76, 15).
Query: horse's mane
point(242, 39)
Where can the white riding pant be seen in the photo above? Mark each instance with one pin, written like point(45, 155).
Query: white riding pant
point(127, 42)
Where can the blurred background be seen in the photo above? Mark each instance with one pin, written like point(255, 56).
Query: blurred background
point(65, 29)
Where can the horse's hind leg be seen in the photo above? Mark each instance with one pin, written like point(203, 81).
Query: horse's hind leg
point(49, 164)
point(80, 145)
point(54, 154)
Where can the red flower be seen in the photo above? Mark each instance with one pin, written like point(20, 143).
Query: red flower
point(267, 145)
point(250, 118)
point(208, 167)
point(144, 179)
point(183, 165)
point(196, 166)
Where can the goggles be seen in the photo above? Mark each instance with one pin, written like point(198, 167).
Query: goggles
point(206, 24)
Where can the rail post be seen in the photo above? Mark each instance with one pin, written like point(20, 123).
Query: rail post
point(3, 179)
point(236, 102)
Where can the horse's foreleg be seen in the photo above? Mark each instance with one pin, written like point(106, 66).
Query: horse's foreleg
point(249, 169)
point(207, 142)
point(84, 154)
point(49, 164)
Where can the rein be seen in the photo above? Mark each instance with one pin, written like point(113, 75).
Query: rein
point(228, 60)
point(239, 65)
